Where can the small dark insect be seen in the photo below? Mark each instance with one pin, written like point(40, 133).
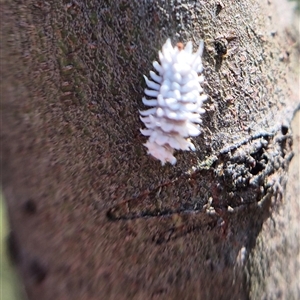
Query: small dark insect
point(221, 47)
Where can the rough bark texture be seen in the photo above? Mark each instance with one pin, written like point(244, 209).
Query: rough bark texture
point(94, 217)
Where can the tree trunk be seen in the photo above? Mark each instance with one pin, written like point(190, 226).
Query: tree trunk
point(92, 215)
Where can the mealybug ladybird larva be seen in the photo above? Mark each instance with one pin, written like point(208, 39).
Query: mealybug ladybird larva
point(176, 98)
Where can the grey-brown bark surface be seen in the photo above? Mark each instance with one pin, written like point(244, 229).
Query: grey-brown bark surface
point(94, 217)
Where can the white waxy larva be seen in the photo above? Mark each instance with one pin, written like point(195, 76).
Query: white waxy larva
point(148, 112)
point(149, 102)
point(151, 93)
point(152, 84)
point(176, 99)
point(158, 67)
point(160, 112)
point(155, 77)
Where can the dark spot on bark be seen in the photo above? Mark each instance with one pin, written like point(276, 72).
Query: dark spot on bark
point(160, 238)
point(214, 164)
point(219, 7)
point(273, 33)
point(284, 129)
point(258, 168)
point(13, 248)
point(37, 271)
point(30, 206)
point(111, 215)
point(170, 279)
point(159, 292)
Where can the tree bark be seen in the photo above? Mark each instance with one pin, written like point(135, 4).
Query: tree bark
point(92, 215)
